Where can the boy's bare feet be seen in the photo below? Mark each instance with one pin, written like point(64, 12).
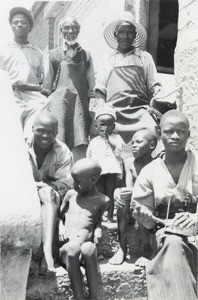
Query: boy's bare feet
point(118, 257)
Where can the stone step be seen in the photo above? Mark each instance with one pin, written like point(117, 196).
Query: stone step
point(121, 282)
point(140, 241)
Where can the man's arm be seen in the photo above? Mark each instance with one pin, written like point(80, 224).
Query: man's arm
point(143, 202)
point(65, 204)
point(62, 180)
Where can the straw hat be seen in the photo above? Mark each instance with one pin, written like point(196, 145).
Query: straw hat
point(21, 10)
point(127, 17)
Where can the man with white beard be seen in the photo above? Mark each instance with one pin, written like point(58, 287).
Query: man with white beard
point(69, 74)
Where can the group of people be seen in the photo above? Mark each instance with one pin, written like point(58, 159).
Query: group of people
point(161, 194)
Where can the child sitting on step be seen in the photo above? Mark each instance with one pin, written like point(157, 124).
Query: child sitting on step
point(83, 208)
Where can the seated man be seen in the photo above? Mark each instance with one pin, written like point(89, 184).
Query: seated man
point(167, 188)
point(51, 163)
point(84, 206)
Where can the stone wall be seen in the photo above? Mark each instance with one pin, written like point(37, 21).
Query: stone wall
point(186, 64)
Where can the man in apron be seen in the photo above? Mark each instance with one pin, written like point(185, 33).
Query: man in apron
point(127, 77)
point(69, 74)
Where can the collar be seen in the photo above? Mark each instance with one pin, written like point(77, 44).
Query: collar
point(30, 143)
point(28, 45)
point(135, 51)
point(67, 47)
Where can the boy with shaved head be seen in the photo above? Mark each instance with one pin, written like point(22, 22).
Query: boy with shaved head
point(84, 207)
point(167, 188)
point(51, 163)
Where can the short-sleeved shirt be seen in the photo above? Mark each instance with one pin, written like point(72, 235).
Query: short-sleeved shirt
point(116, 59)
point(22, 62)
point(155, 186)
point(56, 167)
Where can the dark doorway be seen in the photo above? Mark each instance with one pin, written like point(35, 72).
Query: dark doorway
point(168, 18)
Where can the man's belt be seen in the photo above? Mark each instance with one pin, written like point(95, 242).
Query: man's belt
point(24, 87)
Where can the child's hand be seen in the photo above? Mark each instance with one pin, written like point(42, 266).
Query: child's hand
point(62, 232)
point(97, 235)
point(122, 196)
point(103, 132)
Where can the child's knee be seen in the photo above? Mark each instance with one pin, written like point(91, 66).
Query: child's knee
point(47, 195)
point(73, 249)
point(88, 249)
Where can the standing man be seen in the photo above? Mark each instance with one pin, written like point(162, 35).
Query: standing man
point(69, 74)
point(51, 163)
point(127, 78)
point(23, 62)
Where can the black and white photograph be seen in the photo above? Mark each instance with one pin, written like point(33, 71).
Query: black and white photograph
point(99, 150)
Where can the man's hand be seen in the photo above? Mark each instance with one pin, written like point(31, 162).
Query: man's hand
point(40, 185)
point(62, 232)
point(185, 219)
point(122, 196)
point(97, 235)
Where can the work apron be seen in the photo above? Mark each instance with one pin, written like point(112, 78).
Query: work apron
point(69, 102)
point(127, 92)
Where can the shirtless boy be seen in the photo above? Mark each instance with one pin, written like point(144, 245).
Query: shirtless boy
point(142, 144)
point(84, 207)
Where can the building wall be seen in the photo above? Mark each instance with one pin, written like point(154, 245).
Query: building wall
point(186, 64)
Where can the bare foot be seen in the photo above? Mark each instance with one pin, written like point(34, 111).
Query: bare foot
point(142, 262)
point(118, 257)
point(47, 266)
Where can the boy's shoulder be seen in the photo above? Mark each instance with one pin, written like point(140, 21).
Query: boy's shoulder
point(101, 198)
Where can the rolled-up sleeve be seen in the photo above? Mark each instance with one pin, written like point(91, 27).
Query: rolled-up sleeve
point(102, 75)
point(62, 174)
point(150, 70)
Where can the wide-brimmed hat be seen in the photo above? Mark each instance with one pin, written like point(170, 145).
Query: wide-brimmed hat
point(126, 16)
point(24, 11)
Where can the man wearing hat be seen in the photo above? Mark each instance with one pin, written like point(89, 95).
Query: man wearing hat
point(69, 74)
point(127, 77)
point(23, 62)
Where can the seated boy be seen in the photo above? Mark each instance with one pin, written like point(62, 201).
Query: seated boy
point(84, 206)
point(167, 188)
point(142, 144)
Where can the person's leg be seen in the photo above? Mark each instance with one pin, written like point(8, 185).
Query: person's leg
point(69, 255)
point(89, 256)
point(110, 183)
point(79, 152)
point(101, 184)
point(122, 219)
point(49, 213)
point(170, 274)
